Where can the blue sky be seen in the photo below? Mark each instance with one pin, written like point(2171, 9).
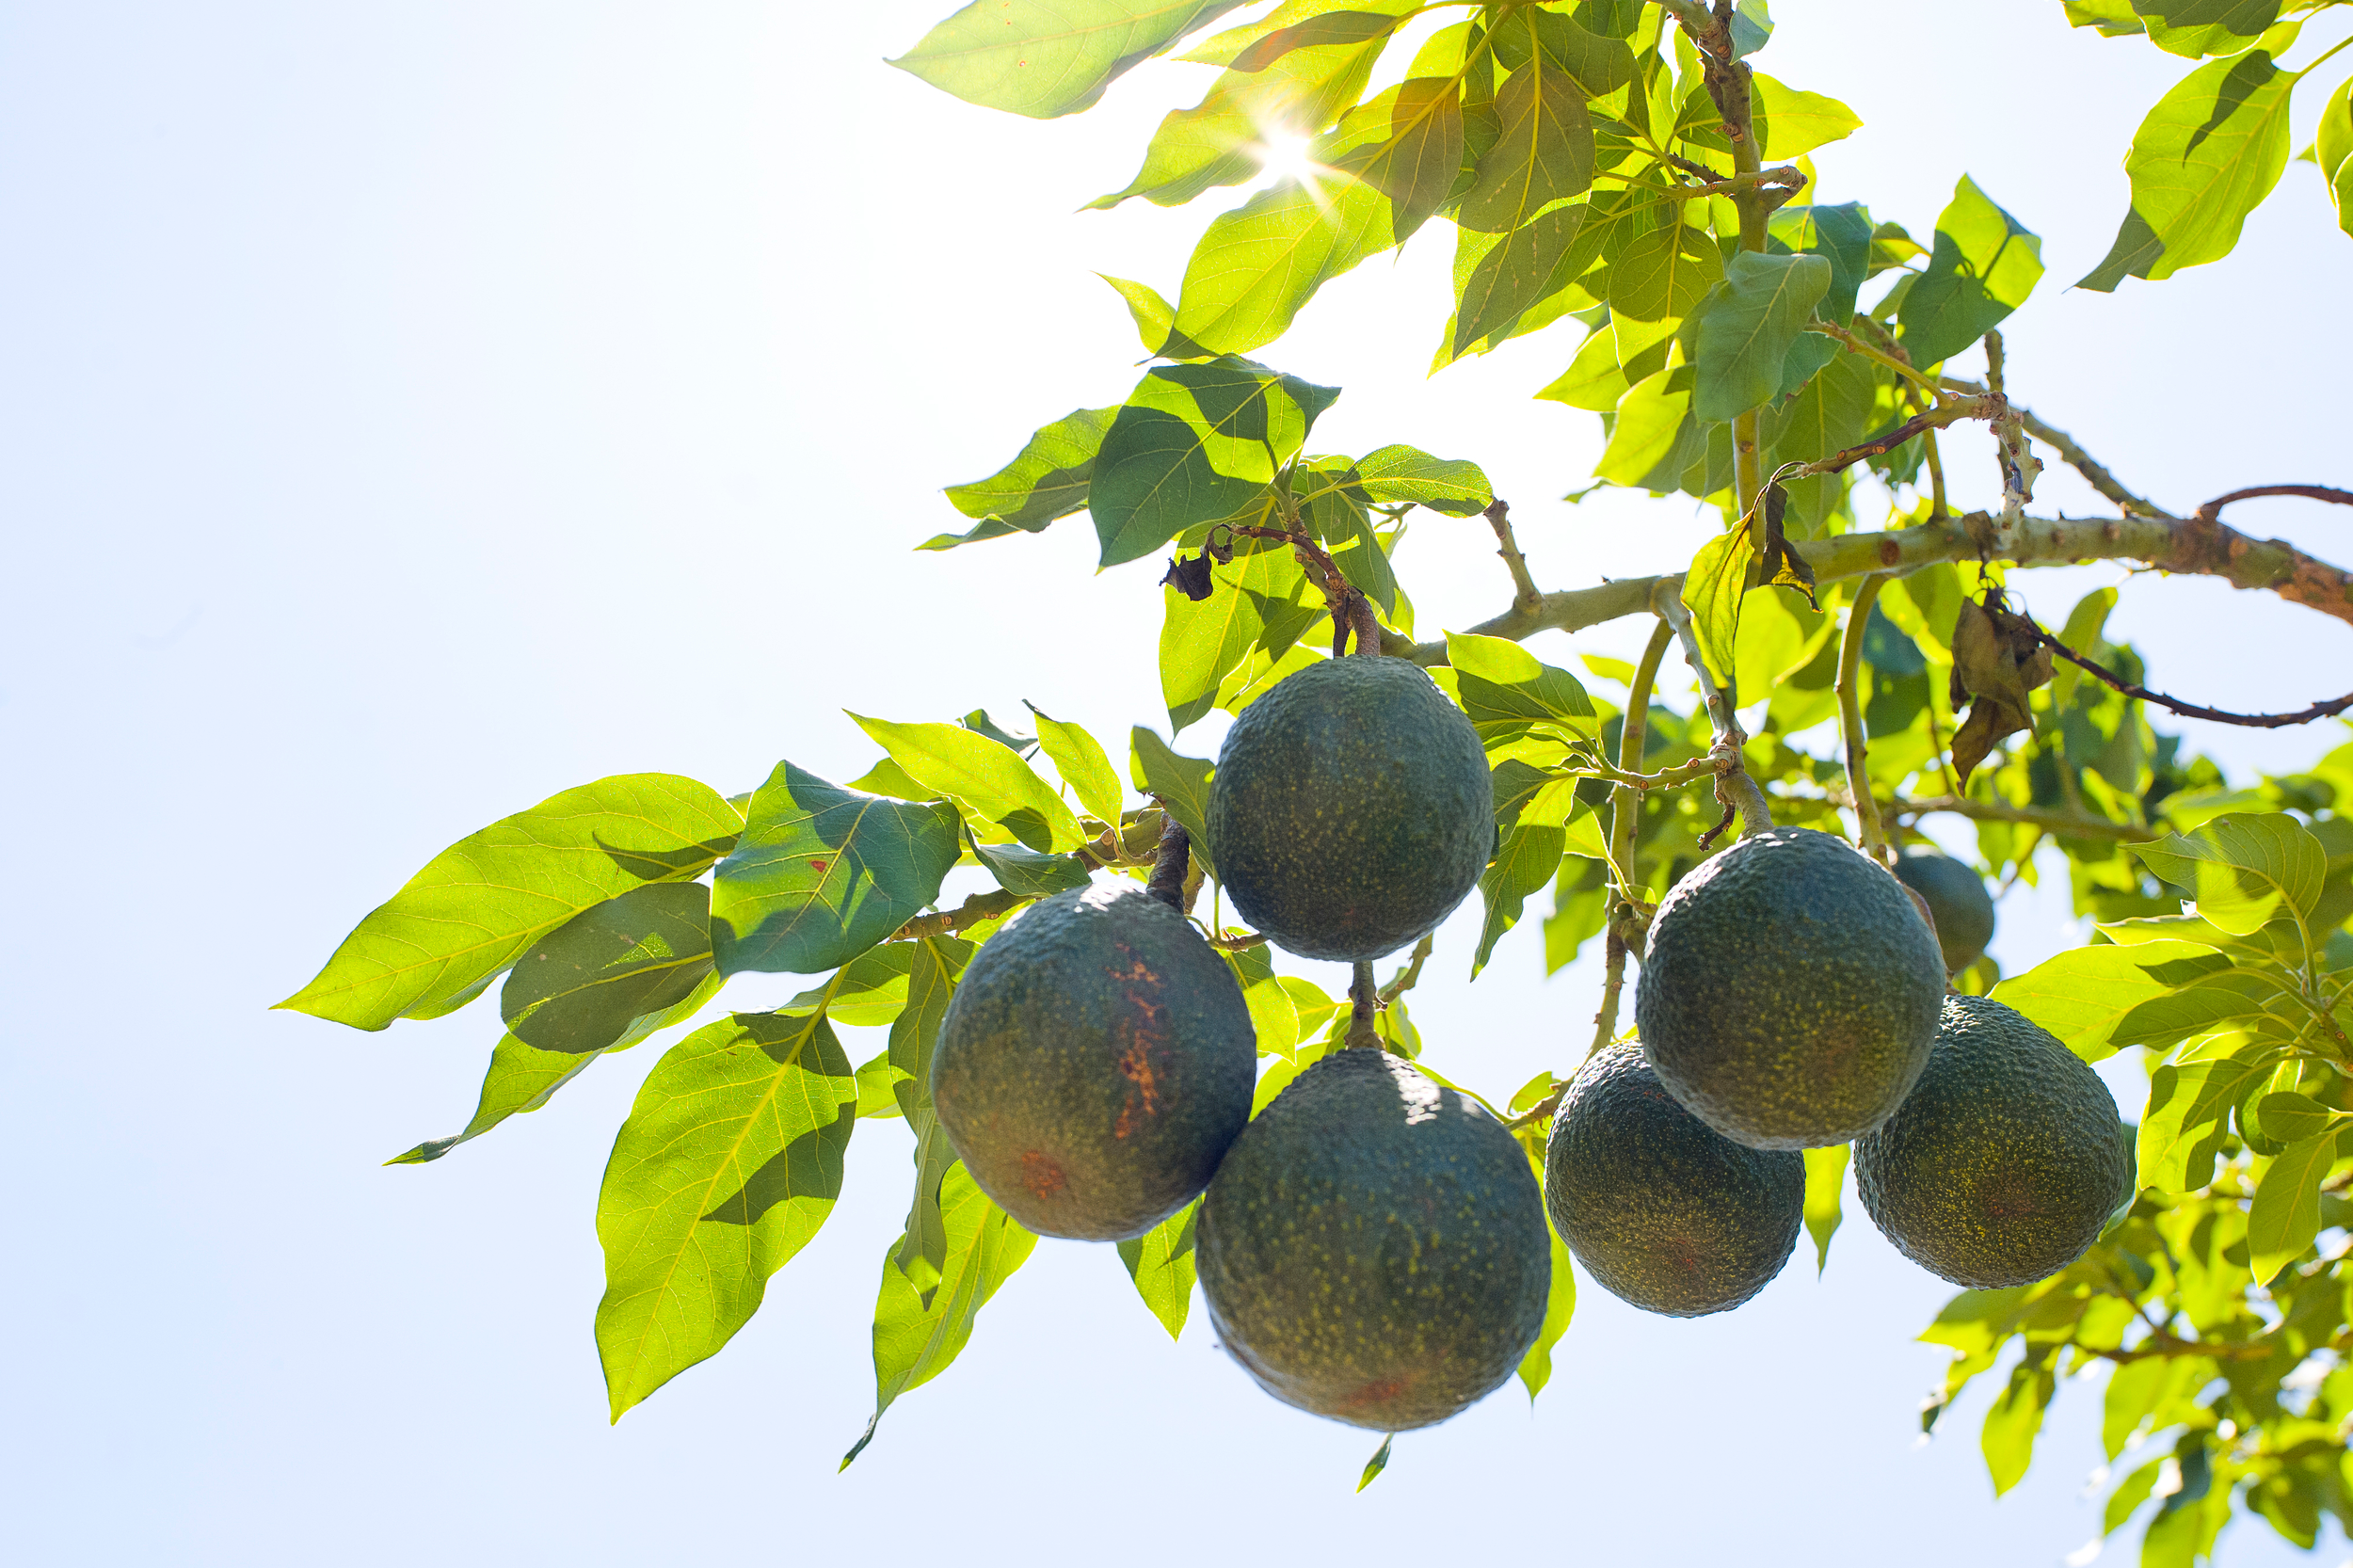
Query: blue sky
point(409, 412)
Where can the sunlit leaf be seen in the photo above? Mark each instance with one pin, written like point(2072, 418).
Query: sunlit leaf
point(1403, 473)
point(989, 780)
point(2205, 157)
point(2285, 1215)
point(1081, 759)
point(2243, 870)
point(1179, 783)
point(1524, 863)
point(1748, 327)
point(1984, 266)
point(918, 1332)
point(1825, 1177)
point(582, 985)
point(1794, 123)
point(486, 898)
point(2082, 994)
point(822, 873)
point(730, 1162)
point(1160, 1263)
point(1048, 57)
point(1544, 153)
point(2195, 27)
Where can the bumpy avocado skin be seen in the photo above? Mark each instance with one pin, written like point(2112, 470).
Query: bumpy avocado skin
point(2006, 1161)
point(1352, 808)
point(1791, 992)
point(1095, 1063)
point(1956, 896)
point(1667, 1213)
point(1373, 1248)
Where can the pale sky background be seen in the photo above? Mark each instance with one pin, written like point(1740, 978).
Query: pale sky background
point(408, 411)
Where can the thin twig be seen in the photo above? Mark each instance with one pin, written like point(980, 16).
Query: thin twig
point(971, 912)
point(1934, 418)
point(1625, 808)
point(1526, 595)
point(1734, 788)
point(2189, 710)
point(1403, 981)
point(2070, 823)
point(2213, 509)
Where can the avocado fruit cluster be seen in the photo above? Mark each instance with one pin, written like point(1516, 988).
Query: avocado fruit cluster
point(1093, 1065)
point(1957, 903)
point(1665, 1212)
point(2006, 1161)
point(1373, 1248)
point(1790, 991)
point(1351, 810)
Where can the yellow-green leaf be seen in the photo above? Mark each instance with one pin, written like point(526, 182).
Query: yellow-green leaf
point(989, 779)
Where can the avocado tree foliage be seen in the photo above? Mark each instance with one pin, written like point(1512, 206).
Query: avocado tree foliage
point(1624, 166)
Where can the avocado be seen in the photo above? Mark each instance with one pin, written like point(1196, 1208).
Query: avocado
point(1667, 1213)
point(2005, 1163)
point(1352, 808)
point(1790, 991)
point(1373, 1248)
point(1094, 1064)
point(1957, 900)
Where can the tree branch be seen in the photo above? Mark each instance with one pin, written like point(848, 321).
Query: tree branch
point(1527, 598)
point(2195, 546)
point(1626, 807)
point(2081, 826)
point(1735, 791)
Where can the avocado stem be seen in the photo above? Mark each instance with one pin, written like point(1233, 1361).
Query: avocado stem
point(1167, 882)
point(1365, 1000)
point(1625, 808)
point(1734, 788)
point(1866, 811)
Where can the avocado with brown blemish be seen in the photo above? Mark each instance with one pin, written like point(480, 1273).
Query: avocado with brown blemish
point(1790, 991)
point(1666, 1212)
point(1373, 1248)
point(2007, 1160)
point(1093, 1065)
point(1351, 810)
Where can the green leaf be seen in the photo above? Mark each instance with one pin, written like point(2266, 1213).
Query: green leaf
point(2113, 18)
point(1793, 123)
point(2332, 149)
point(1825, 1176)
point(1746, 327)
point(1202, 641)
point(1257, 266)
point(1515, 275)
point(1299, 88)
point(2195, 27)
point(1029, 873)
point(2166, 1021)
point(866, 993)
point(1505, 689)
point(1560, 1303)
point(1664, 273)
point(1650, 422)
point(730, 1162)
point(1048, 480)
point(1524, 862)
point(2244, 869)
point(1193, 444)
point(822, 873)
point(1454, 486)
point(2188, 1117)
point(936, 965)
point(987, 778)
point(1078, 756)
point(2285, 1215)
point(582, 985)
point(2205, 157)
point(2081, 995)
point(2291, 1118)
point(1984, 266)
point(1713, 587)
point(522, 1078)
point(1415, 167)
point(1160, 1263)
point(1179, 783)
point(486, 898)
point(2010, 1426)
point(1050, 58)
point(918, 1332)
point(1378, 1462)
point(1544, 153)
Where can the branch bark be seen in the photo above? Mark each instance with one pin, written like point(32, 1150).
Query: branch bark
point(2202, 546)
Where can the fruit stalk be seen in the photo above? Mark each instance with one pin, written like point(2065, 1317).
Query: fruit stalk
point(1735, 790)
point(1167, 881)
point(1626, 807)
point(1866, 811)
point(1364, 999)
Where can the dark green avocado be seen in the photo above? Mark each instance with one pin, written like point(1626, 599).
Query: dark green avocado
point(1352, 808)
point(2005, 1163)
point(1789, 992)
point(1093, 1065)
point(1667, 1213)
point(1373, 1248)
point(1957, 902)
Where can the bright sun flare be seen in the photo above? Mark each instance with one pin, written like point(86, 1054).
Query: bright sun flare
point(1284, 156)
